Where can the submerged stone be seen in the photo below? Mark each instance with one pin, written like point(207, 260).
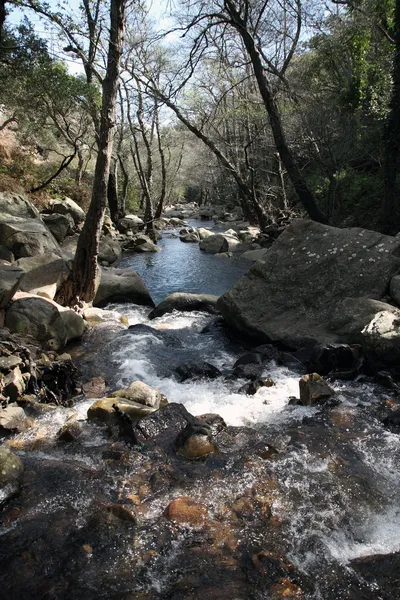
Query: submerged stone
point(186, 511)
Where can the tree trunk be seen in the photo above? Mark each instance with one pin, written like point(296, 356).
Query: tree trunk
point(302, 190)
point(80, 286)
point(112, 192)
point(391, 217)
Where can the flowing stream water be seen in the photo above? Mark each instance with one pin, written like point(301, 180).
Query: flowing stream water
point(286, 524)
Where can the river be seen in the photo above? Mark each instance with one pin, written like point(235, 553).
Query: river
point(291, 523)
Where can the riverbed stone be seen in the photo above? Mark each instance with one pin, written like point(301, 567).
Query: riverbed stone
point(219, 242)
point(313, 389)
point(203, 233)
point(10, 281)
point(195, 440)
point(141, 393)
point(122, 285)
point(67, 206)
point(191, 237)
point(183, 301)
point(197, 370)
point(103, 410)
point(11, 473)
point(43, 275)
point(186, 511)
point(290, 295)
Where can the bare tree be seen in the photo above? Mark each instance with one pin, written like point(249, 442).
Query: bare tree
point(80, 286)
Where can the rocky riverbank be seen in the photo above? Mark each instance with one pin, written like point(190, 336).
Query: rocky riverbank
point(138, 497)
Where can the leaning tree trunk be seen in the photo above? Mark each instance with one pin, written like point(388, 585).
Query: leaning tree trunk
point(391, 217)
point(80, 286)
point(302, 190)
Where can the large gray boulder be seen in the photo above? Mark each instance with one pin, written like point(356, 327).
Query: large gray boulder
point(219, 242)
point(373, 324)
point(185, 302)
point(129, 223)
point(122, 285)
point(10, 279)
point(52, 325)
point(22, 231)
point(59, 225)
point(16, 205)
point(43, 275)
point(291, 295)
point(67, 206)
point(26, 237)
point(109, 251)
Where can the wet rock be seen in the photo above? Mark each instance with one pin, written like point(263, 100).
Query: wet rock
point(141, 393)
point(59, 225)
point(124, 513)
point(183, 301)
point(250, 358)
point(70, 432)
point(67, 206)
point(163, 425)
point(215, 422)
point(10, 280)
point(337, 360)
point(382, 571)
point(122, 285)
point(43, 275)
point(195, 441)
point(291, 295)
point(268, 352)
point(186, 511)
point(169, 339)
point(252, 387)
point(95, 387)
point(103, 410)
point(199, 370)
point(248, 366)
point(392, 421)
point(291, 362)
point(313, 389)
point(265, 451)
point(14, 420)
point(11, 473)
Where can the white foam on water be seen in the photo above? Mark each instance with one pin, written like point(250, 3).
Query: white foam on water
point(379, 534)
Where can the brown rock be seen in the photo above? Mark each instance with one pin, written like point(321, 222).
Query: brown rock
point(186, 511)
point(95, 387)
point(314, 388)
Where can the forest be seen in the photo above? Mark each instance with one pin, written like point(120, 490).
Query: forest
point(282, 107)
